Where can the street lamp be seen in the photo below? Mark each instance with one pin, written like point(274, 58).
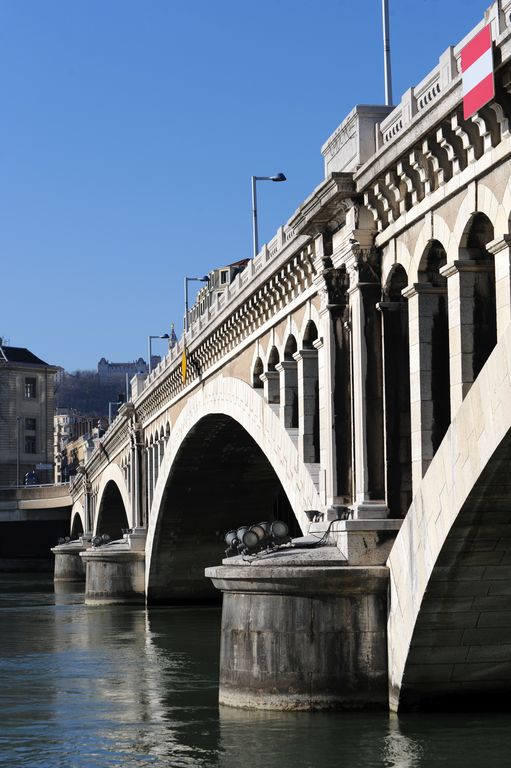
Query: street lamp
point(204, 279)
point(18, 426)
point(278, 177)
point(149, 340)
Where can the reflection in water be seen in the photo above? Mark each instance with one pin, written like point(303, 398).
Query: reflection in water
point(400, 751)
point(86, 686)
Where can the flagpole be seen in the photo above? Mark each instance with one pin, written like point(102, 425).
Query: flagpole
point(386, 52)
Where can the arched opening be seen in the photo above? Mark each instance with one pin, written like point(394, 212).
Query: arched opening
point(220, 479)
point(462, 628)
point(290, 348)
point(396, 354)
point(272, 379)
point(478, 295)
point(289, 384)
point(256, 375)
point(310, 335)
point(273, 358)
point(437, 340)
point(308, 391)
point(76, 527)
point(112, 517)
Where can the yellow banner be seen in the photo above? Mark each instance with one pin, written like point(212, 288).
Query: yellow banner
point(184, 363)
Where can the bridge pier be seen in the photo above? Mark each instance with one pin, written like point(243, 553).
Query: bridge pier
point(115, 572)
point(302, 631)
point(69, 565)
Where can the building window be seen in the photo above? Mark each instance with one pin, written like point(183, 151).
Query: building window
point(224, 274)
point(30, 388)
point(30, 444)
point(30, 425)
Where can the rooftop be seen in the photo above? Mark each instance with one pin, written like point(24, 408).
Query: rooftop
point(19, 355)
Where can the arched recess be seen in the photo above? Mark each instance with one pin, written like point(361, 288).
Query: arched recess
point(230, 462)
point(477, 292)
point(256, 375)
point(449, 619)
point(308, 394)
point(396, 363)
point(273, 358)
point(290, 348)
point(288, 370)
point(77, 520)
point(434, 337)
point(113, 509)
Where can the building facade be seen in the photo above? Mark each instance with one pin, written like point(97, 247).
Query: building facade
point(26, 416)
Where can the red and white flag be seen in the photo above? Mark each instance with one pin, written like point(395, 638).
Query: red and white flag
point(477, 72)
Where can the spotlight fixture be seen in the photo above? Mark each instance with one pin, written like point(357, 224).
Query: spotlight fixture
point(251, 539)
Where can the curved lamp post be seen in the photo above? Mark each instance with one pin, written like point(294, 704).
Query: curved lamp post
point(278, 177)
point(149, 339)
point(204, 279)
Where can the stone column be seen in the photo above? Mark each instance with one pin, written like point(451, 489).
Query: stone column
point(136, 479)
point(87, 489)
point(307, 369)
point(288, 381)
point(156, 465)
point(334, 388)
point(149, 478)
point(271, 387)
point(367, 386)
point(501, 250)
point(423, 307)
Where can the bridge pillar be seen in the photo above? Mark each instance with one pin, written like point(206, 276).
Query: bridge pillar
point(271, 387)
point(423, 309)
point(68, 563)
point(501, 250)
point(308, 406)
point(115, 573)
point(368, 448)
point(288, 373)
point(302, 632)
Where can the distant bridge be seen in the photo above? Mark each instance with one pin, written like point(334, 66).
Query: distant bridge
point(357, 368)
point(32, 518)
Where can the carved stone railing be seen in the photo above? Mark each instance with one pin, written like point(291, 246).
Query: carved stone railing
point(426, 141)
point(439, 81)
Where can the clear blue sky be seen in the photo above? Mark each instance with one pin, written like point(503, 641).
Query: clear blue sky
point(129, 131)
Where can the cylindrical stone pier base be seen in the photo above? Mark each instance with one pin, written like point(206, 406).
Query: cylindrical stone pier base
point(114, 575)
point(68, 563)
point(302, 637)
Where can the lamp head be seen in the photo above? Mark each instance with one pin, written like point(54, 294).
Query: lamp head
point(278, 177)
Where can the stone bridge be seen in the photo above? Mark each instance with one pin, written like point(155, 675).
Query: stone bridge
point(356, 371)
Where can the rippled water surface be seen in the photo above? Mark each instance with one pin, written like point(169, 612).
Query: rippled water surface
point(125, 686)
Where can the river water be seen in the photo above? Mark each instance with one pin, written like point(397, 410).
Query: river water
point(124, 686)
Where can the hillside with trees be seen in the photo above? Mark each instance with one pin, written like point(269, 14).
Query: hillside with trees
point(83, 392)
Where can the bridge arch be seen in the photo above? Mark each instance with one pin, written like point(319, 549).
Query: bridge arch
point(226, 424)
point(78, 522)
point(113, 508)
point(449, 575)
